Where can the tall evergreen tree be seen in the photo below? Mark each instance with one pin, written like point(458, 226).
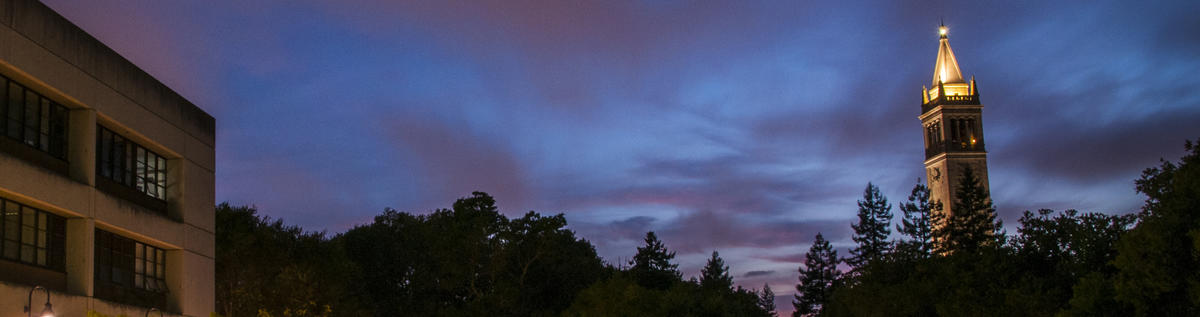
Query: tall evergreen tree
point(871, 231)
point(817, 278)
point(973, 222)
point(916, 225)
point(715, 275)
point(766, 299)
point(652, 267)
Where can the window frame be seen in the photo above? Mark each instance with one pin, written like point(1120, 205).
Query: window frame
point(124, 274)
point(47, 230)
point(45, 129)
point(129, 164)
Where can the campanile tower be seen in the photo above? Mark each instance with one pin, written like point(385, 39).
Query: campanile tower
point(953, 120)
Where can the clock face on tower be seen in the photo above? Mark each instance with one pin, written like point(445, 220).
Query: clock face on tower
point(935, 174)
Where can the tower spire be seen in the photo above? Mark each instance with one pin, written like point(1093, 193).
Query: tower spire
point(945, 69)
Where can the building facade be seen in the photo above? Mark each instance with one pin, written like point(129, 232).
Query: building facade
point(106, 178)
point(952, 118)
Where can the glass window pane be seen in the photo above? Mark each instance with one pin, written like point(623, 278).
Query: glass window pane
point(139, 169)
point(41, 223)
point(16, 103)
point(26, 253)
point(44, 125)
point(27, 235)
point(27, 215)
point(105, 159)
point(10, 249)
point(41, 256)
point(32, 110)
point(162, 171)
point(11, 226)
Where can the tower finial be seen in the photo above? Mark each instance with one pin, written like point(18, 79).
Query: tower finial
point(943, 30)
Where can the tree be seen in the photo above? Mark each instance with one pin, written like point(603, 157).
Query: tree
point(973, 223)
point(766, 299)
point(872, 230)
point(715, 275)
point(1159, 260)
point(470, 260)
point(652, 267)
point(916, 225)
point(306, 272)
point(818, 277)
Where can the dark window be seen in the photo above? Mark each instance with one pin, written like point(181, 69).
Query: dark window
point(130, 164)
point(130, 272)
point(33, 119)
point(32, 236)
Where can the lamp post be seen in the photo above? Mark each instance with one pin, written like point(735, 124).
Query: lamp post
point(152, 309)
point(46, 312)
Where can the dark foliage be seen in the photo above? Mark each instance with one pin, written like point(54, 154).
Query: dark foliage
point(715, 275)
point(1058, 264)
point(652, 267)
point(766, 300)
point(972, 223)
point(1159, 261)
point(623, 296)
point(818, 277)
point(872, 229)
point(470, 260)
point(917, 223)
point(305, 272)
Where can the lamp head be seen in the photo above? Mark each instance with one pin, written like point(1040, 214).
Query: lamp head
point(48, 311)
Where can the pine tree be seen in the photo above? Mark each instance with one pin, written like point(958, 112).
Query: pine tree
point(652, 266)
point(919, 211)
point(817, 278)
point(872, 230)
point(766, 300)
point(715, 275)
point(973, 223)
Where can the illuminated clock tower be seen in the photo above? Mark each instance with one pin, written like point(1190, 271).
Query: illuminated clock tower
point(953, 120)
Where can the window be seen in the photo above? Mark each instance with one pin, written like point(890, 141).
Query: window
point(32, 236)
point(130, 164)
point(30, 118)
point(129, 271)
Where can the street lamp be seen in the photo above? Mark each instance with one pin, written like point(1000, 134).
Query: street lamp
point(152, 309)
point(46, 312)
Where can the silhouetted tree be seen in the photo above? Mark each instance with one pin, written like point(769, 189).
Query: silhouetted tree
point(470, 260)
point(1159, 261)
point(766, 299)
point(1056, 253)
point(818, 276)
point(652, 267)
point(872, 230)
point(715, 275)
point(916, 225)
point(306, 272)
point(972, 223)
point(622, 296)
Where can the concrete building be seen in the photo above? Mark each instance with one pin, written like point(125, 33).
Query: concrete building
point(106, 178)
point(952, 117)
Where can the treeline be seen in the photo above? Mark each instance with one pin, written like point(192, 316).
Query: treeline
point(1056, 264)
point(468, 260)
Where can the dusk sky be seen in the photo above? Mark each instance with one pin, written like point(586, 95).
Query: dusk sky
point(744, 127)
